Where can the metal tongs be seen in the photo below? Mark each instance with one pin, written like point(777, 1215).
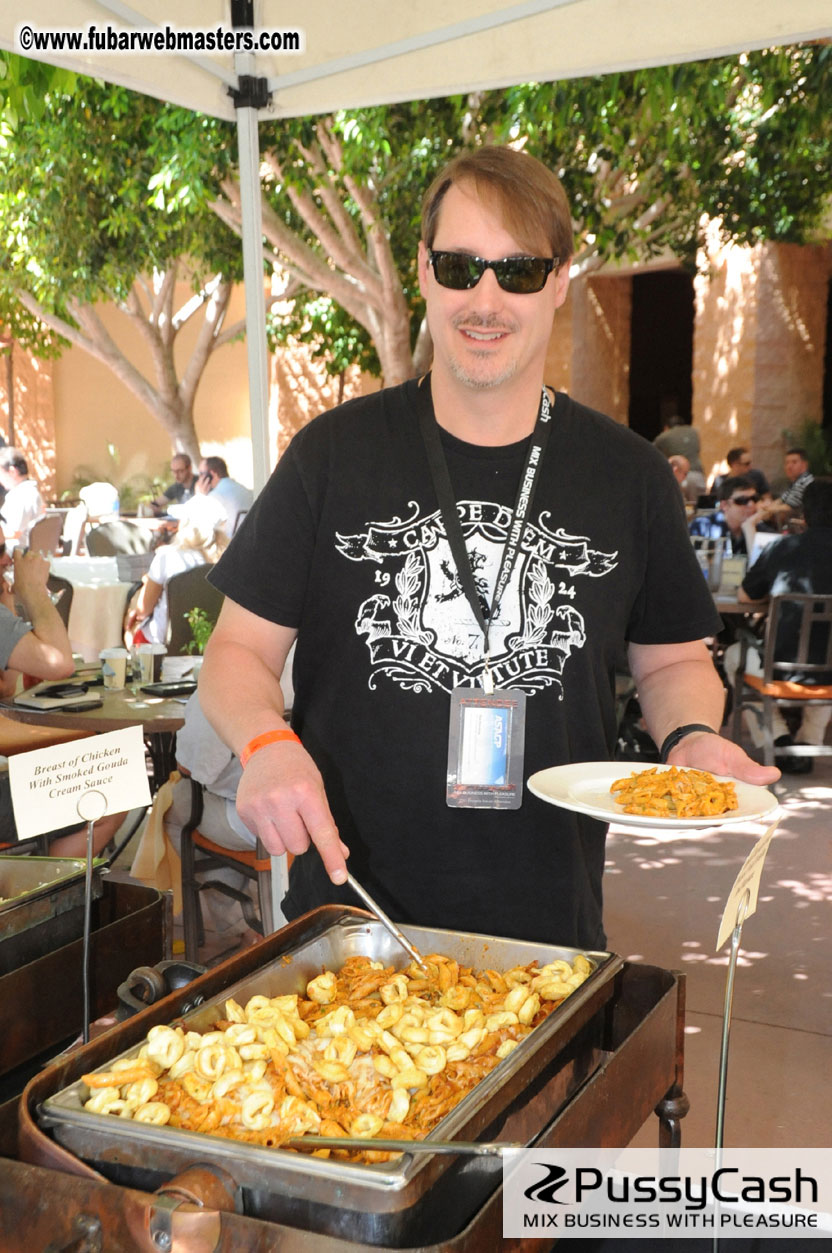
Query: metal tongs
point(397, 935)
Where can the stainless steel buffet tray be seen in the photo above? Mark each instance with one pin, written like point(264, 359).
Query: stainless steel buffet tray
point(412, 1197)
point(41, 904)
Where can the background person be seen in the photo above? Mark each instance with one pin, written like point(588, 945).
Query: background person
point(790, 503)
point(796, 563)
point(23, 504)
point(194, 544)
point(679, 438)
point(36, 646)
point(738, 504)
point(183, 486)
point(739, 463)
point(347, 550)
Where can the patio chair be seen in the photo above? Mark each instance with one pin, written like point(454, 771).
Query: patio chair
point(186, 591)
point(200, 858)
point(45, 534)
point(812, 618)
point(112, 538)
point(62, 589)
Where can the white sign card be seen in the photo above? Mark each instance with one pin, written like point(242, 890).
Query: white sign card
point(47, 785)
point(746, 885)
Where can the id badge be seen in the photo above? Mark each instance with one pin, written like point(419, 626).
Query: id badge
point(485, 749)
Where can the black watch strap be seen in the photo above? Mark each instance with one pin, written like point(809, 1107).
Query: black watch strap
point(674, 738)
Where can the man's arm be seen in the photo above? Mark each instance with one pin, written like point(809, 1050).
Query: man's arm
point(281, 794)
point(45, 651)
point(677, 684)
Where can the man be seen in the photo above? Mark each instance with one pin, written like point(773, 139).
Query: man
point(348, 550)
point(798, 564)
point(739, 463)
point(790, 503)
point(184, 483)
point(738, 505)
point(679, 439)
point(39, 646)
point(218, 499)
point(23, 504)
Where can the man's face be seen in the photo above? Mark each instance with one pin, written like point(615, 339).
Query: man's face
point(794, 465)
point(207, 475)
point(483, 336)
point(742, 464)
point(181, 469)
point(6, 559)
point(740, 507)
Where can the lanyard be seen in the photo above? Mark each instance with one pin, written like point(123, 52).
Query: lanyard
point(438, 466)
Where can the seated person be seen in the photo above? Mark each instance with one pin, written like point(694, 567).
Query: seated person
point(738, 504)
point(183, 486)
point(197, 542)
point(795, 563)
point(739, 462)
point(37, 646)
point(217, 495)
point(790, 503)
point(201, 754)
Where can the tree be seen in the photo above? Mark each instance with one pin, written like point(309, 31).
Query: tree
point(100, 200)
point(643, 155)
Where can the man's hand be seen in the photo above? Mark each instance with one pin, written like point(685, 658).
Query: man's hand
point(702, 750)
point(281, 797)
point(31, 570)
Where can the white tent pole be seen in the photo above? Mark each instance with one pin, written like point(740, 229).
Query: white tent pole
point(246, 103)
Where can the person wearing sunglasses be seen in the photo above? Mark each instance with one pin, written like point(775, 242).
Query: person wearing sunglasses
point(461, 558)
point(738, 505)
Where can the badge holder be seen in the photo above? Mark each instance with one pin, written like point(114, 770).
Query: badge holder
point(485, 749)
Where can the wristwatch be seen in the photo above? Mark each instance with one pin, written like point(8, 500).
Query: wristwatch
point(679, 734)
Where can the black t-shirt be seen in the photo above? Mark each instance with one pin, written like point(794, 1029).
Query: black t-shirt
point(346, 544)
point(794, 564)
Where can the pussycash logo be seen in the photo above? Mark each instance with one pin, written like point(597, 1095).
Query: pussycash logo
point(545, 1188)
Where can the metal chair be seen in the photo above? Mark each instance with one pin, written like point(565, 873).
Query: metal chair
point(200, 857)
point(45, 534)
point(61, 592)
point(811, 618)
point(186, 591)
point(112, 538)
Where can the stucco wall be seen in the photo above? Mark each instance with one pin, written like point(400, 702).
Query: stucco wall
point(758, 347)
point(601, 308)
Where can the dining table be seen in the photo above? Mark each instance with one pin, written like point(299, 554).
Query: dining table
point(99, 600)
point(159, 717)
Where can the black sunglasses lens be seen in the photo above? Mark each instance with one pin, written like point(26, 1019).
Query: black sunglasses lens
point(521, 275)
point(457, 270)
point(745, 500)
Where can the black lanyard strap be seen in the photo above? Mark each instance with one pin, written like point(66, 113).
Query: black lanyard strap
point(438, 466)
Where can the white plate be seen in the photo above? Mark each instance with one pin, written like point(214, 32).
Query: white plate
point(585, 788)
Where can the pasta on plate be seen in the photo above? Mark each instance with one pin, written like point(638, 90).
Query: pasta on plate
point(674, 793)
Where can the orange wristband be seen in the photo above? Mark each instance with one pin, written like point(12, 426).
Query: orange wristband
point(260, 741)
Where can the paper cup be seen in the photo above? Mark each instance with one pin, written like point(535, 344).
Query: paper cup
point(151, 658)
point(114, 667)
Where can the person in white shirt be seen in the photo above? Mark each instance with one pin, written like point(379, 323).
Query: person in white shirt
point(233, 496)
point(23, 504)
point(194, 545)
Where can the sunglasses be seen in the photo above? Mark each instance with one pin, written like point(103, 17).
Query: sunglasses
point(519, 275)
point(744, 500)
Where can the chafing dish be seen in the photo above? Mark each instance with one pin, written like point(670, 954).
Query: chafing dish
point(410, 1199)
point(41, 906)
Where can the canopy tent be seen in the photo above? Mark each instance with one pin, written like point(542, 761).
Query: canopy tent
point(346, 60)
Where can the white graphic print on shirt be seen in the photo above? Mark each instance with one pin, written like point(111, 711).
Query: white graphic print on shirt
point(422, 632)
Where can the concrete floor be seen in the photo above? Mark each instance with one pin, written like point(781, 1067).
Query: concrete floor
point(664, 897)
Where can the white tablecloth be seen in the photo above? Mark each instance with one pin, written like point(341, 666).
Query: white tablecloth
point(99, 600)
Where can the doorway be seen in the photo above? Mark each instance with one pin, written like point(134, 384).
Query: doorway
point(661, 350)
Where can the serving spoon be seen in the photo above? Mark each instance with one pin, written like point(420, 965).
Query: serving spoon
point(390, 926)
